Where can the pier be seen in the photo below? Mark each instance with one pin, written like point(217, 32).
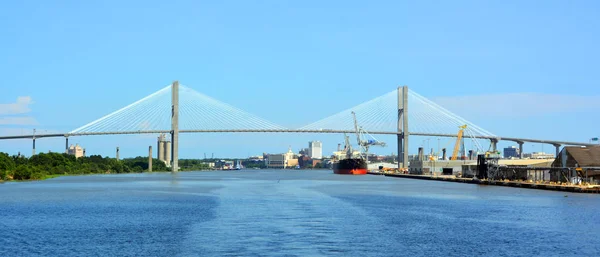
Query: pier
point(521, 184)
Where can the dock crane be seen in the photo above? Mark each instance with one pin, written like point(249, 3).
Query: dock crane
point(364, 144)
point(347, 147)
point(459, 143)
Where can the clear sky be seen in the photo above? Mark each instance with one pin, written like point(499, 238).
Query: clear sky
point(525, 68)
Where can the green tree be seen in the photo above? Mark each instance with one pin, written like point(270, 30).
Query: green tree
point(6, 163)
point(22, 172)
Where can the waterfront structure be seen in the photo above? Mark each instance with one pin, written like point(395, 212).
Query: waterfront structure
point(315, 149)
point(511, 152)
point(579, 157)
point(76, 150)
point(468, 167)
point(223, 164)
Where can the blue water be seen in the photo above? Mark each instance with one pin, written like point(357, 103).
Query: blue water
point(289, 213)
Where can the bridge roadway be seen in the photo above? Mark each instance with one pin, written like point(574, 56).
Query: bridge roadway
point(492, 138)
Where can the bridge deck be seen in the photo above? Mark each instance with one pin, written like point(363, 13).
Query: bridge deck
point(322, 131)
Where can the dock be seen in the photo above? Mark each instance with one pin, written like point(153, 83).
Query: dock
point(520, 184)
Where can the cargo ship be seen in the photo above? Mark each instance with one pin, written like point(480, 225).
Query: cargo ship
point(350, 166)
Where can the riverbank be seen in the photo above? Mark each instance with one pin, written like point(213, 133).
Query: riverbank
point(51, 176)
point(520, 184)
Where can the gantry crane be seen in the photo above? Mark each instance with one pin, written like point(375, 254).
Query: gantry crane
point(364, 144)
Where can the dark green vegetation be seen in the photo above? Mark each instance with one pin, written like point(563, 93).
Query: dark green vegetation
point(45, 165)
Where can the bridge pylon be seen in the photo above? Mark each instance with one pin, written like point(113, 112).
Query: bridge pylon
point(403, 127)
point(175, 126)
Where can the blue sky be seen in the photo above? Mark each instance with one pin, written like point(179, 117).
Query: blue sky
point(526, 68)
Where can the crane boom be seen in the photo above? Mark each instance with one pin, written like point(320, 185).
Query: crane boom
point(356, 129)
point(364, 144)
point(458, 140)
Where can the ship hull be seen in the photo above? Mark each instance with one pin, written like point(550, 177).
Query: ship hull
point(350, 167)
point(350, 172)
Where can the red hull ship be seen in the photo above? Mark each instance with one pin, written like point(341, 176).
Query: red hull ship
point(352, 166)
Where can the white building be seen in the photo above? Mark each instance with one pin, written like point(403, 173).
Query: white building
point(75, 150)
point(315, 150)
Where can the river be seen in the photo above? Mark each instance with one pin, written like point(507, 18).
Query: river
point(289, 213)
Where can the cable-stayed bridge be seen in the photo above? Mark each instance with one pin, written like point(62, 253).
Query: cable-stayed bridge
point(178, 109)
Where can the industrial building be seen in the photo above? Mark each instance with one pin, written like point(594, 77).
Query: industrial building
point(315, 150)
point(468, 166)
point(163, 152)
point(76, 150)
point(585, 160)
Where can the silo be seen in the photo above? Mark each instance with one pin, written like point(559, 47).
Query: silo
point(161, 150)
point(167, 151)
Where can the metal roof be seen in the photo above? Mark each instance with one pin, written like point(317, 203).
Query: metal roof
point(584, 156)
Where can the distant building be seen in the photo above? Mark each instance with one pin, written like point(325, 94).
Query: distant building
point(304, 161)
point(276, 161)
point(315, 150)
point(511, 152)
point(224, 164)
point(76, 150)
point(303, 151)
point(282, 161)
point(538, 155)
point(315, 162)
point(257, 158)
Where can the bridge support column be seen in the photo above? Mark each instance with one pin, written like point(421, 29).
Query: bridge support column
point(175, 127)
point(520, 150)
point(557, 146)
point(494, 143)
point(403, 127)
point(149, 158)
point(33, 149)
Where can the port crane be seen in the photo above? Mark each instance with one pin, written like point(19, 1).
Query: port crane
point(363, 143)
point(460, 143)
point(347, 147)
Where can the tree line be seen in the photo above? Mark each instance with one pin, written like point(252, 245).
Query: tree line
point(43, 165)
